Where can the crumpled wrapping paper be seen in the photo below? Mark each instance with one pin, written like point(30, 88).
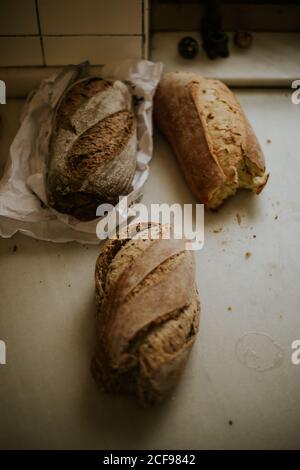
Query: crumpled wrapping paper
point(23, 203)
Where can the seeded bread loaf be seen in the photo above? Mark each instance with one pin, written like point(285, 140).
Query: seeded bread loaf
point(93, 148)
point(148, 314)
point(210, 135)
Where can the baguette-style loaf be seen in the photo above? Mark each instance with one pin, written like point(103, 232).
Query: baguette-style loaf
point(93, 148)
point(210, 135)
point(148, 314)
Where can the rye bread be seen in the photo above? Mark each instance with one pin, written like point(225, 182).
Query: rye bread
point(92, 156)
point(148, 315)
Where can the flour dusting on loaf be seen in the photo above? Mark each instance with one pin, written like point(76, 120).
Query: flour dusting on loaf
point(93, 148)
point(148, 314)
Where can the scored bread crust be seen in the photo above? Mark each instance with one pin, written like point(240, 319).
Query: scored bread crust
point(93, 148)
point(148, 314)
point(214, 143)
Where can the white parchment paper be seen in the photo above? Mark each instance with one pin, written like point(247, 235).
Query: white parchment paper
point(23, 202)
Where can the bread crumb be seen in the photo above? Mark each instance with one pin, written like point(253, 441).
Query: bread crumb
point(248, 254)
point(276, 217)
point(69, 285)
point(254, 236)
point(230, 422)
point(269, 141)
point(238, 218)
point(218, 230)
point(15, 248)
point(229, 308)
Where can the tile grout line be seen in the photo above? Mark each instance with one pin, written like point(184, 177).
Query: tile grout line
point(40, 32)
point(71, 35)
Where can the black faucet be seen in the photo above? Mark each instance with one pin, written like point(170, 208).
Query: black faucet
point(215, 40)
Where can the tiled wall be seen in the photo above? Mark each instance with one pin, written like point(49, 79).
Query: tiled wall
point(57, 32)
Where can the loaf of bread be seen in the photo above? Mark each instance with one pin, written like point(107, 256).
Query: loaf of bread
point(148, 314)
point(93, 148)
point(210, 135)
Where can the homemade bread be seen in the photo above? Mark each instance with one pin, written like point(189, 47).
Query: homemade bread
point(148, 314)
point(210, 135)
point(93, 148)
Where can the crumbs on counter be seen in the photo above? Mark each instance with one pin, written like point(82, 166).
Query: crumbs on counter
point(248, 254)
point(229, 308)
point(269, 141)
point(254, 236)
point(276, 217)
point(230, 422)
point(238, 218)
point(69, 285)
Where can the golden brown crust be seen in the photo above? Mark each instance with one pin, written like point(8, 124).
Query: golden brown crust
point(177, 116)
point(211, 137)
point(253, 149)
point(148, 315)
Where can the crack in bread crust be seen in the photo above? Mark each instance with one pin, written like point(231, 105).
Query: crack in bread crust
point(93, 148)
point(137, 320)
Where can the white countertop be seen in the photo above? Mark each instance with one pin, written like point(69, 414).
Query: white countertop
point(272, 59)
point(48, 398)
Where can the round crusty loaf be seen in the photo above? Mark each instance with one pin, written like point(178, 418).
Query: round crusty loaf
point(214, 143)
point(93, 148)
point(148, 314)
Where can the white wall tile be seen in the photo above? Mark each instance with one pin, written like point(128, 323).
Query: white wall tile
point(97, 49)
point(90, 16)
point(18, 17)
point(20, 51)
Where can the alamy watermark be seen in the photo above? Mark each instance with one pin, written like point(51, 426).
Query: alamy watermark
point(2, 352)
point(184, 221)
point(295, 357)
point(296, 94)
point(2, 92)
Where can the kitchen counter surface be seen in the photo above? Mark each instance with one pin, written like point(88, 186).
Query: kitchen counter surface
point(257, 66)
point(239, 389)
